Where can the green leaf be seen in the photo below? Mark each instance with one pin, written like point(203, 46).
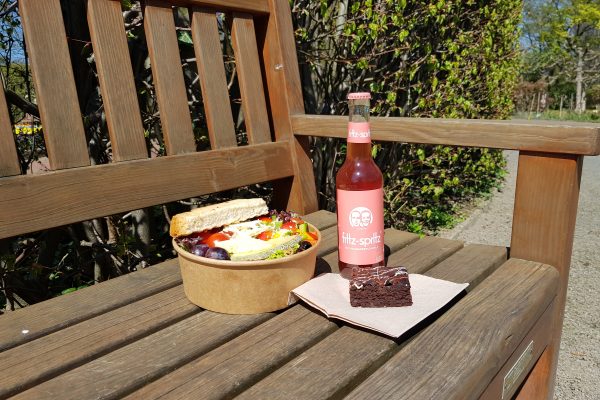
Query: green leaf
point(185, 37)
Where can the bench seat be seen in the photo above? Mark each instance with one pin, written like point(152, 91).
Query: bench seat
point(137, 336)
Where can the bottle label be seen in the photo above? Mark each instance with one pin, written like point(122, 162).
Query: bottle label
point(359, 132)
point(360, 226)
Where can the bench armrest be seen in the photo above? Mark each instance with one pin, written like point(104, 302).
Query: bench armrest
point(540, 136)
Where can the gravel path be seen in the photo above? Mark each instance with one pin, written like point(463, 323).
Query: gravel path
point(579, 359)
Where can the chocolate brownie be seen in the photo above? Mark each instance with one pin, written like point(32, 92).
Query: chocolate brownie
point(380, 287)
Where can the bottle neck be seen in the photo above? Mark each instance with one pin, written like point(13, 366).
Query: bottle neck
point(359, 131)
point(358, 151)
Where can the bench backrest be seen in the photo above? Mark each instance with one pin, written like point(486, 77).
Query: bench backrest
point(267, 69)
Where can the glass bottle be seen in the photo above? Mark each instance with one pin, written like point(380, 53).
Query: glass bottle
point(359, 191)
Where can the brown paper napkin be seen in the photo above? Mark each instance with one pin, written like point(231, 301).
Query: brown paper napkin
point(329, 294)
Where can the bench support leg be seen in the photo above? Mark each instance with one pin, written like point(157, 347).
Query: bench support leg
point(546, 200)
point(276, 39)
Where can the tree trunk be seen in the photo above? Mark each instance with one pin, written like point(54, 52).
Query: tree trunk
point(562, 97)
point(579, 82)
point(142, 233)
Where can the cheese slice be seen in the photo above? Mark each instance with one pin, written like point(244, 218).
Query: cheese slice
point(243, 244)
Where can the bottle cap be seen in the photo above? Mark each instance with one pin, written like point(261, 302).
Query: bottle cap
point(359, 96)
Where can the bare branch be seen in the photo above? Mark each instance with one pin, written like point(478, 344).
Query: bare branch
point(10, 8)
point(20, 102)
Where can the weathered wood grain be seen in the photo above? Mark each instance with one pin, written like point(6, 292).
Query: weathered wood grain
point(211, 71)
point(70, 347)
point(329, 242)
point(54, 84)
point(112, 329)
point(335, 365)
point(167, 74)
point(548, 136)
point(462, 266)
point(457, 356)
point(543, 229)
point(9, 160)
point(539, 339)
point(130, 367)
point(322, 370)
point(49, 316)
point(115, 75)
point(251, 6)
point(322, 219)
point(243, 40)
point(84, 193)
point(424, 254)
point(282, 77)
point(229, 369)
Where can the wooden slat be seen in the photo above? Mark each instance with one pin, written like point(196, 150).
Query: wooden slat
point(211, 70)
point(115, 74)
point(227, 370)
point(128, 368)
point(9, 160)
point(167, 74)
point(276, 41)
point(49, 316)
point(61, 351)
point(322, 370)
point(457, 268)
point(243, 39)
point(543, 229)
point(548, 136)
point(326, 219)
point(54, 84)
point(425, 253)
point(457, 356)
point(252, 6)
point(85, 193)
point(339, 362)
point(329, 240)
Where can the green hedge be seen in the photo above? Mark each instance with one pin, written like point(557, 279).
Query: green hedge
point(454, 59)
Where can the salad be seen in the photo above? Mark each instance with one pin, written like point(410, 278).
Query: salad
point(268, 237)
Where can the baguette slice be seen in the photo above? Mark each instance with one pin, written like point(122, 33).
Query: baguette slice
point(217, 215)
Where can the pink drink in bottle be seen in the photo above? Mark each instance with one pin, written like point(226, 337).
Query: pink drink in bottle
point(359, 189)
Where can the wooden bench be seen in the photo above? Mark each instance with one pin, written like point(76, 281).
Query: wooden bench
point(138, 336)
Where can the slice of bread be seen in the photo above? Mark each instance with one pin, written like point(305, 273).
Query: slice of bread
point(217, 215)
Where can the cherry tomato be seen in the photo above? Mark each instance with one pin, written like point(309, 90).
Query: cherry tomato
point(290, 226)
point(298, 221)
point(265, 219)
point(216, 237)
point(203, 235)
point(266, 235)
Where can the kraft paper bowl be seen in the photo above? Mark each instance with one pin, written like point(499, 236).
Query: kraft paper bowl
point(245, 287)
